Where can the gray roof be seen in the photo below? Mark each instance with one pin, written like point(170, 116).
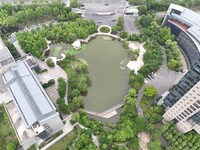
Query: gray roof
point(5, 56)
point(29, 96)
point(191, 16)
point(195, 31)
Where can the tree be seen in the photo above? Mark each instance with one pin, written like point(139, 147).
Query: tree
point(120, 23)
point(21, 15)
point(82, 86)
point(74, 3)
point(137, 2)
point(123, 34)
point(39, 11)
point(146, 20)
point(114, 29)
point(150, 91)
point(76, 103)
point(171, 64)
point(155, 144)
point(142, 9)
point(62, 87)
point(75, 118)
point(11, 21)
point(64, 108)
point(30, 14)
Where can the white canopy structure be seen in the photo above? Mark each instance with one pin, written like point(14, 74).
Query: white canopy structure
point(76, 44)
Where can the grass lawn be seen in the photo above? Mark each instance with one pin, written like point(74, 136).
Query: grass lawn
point(57, 51)
point(66, 140)
point(7, 134)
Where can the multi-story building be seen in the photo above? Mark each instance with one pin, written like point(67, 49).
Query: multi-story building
point(185, 25)
point(183, 101)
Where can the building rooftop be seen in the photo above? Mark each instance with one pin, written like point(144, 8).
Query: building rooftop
point(5, 56)
point(30, 98)
point(192, 16)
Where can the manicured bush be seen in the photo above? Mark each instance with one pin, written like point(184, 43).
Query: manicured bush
point(49, 83)
point(50, 62)
point(41, 71)
point(64, 108)
point(62, 87)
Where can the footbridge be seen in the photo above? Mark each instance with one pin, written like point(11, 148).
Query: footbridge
point(107, 113)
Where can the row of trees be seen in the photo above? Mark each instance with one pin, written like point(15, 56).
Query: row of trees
point(156, 37)
point(179, 141)
point(12, 16)
point(147, 6)
point(31, 42)
point(119, 26)
point(34, 42)
point(173, 56)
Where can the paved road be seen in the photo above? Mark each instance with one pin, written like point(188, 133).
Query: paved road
point(163, 81)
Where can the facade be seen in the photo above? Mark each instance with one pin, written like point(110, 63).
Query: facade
point(182, 104)
point(185, 25)
point(33, 104)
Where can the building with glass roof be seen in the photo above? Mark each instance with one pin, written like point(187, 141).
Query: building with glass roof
point(33, 103)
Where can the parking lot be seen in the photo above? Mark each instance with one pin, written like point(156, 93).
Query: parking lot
point(116, 7)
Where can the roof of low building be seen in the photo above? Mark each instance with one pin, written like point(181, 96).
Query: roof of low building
point(30, 98)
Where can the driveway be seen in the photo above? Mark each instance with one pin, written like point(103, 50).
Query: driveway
point(164, 80)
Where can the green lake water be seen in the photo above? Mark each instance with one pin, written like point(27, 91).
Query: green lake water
point(107, 61)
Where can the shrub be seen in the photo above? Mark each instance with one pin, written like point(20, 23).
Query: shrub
point(60, 100)
point(123, 34)
point(64, 108)
point(62, 86)
point(49, 83)
point(50, 62)
point(41, 71)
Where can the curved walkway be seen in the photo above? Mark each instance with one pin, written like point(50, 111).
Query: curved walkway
point(52, 73)
point(107, 113)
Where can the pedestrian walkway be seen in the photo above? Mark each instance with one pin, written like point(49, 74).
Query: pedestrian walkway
point(52, 73)
point(107, 113)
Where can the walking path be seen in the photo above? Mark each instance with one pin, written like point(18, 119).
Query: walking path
point(67, 128)
point(52, 73)
point(107, 113)
point(19, 49)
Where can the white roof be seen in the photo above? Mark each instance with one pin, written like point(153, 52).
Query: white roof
point(29, 96)
point(76, 44)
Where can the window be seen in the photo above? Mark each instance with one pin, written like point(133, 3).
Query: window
point(193, 108)
point(186, 112)
point(196, 105)
point(183, 114)
point(189, 110)
point(198, 101)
